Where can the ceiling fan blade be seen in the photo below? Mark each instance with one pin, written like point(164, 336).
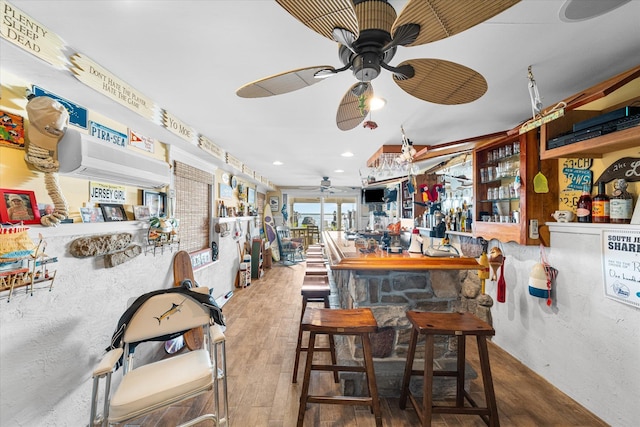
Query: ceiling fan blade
point(442, 82)
point(282, 83)
point(323, 16)
point(439, 19)
point(349, 115)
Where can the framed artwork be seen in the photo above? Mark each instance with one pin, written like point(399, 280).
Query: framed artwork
point(46, 209)
point(113, 212)
point(18, 206)
point(274, 203)
point(156, 201)
point(141, 212)
point(251, 195)
point(11, 130)
point(226, 192)
point(91, 215)
point(200, 258)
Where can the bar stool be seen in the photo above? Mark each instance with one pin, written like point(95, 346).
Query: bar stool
point(314, 289)
point(460, 325)
point(357, 321)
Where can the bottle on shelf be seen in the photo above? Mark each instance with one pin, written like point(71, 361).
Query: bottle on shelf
point(621, 203)
point(600, 205)
point(583, 211)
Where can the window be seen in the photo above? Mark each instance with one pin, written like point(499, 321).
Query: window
point(193, 206)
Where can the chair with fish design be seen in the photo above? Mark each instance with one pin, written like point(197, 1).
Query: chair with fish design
point(159, 316)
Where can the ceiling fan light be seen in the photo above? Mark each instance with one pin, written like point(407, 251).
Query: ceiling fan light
point(377, 103)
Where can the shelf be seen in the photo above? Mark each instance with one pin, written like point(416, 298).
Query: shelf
point(596, 147)
point(616, 92)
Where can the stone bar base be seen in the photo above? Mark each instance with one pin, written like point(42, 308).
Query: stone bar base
point(390, 294)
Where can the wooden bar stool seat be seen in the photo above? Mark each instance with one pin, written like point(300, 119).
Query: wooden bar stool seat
point(430, 324)
point(315, 270)
point(357, 321)
point(314, 289)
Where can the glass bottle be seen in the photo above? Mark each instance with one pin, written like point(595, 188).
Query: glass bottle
point(621, 203)
point(600, 206)
point(583, 211)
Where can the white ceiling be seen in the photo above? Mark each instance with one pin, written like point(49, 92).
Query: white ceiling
point(191, 56)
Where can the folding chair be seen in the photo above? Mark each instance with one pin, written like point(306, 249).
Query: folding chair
point(158, 316)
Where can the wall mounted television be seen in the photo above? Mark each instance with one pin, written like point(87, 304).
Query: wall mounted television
point(372, 195)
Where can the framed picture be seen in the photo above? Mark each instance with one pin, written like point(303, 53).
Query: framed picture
point(113, 212)
point(274, 204)
point(141, 212)
point(91, 215)
point(11, 130)
point(251, 195)
point(46, 209)
point(200, 258)
point(156, 201)
point(18, 206)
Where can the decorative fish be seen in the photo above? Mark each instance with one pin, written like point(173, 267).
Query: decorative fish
point(175, 308)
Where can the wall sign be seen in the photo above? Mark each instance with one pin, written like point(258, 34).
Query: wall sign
point(627, 168)
point(77, 114)
point(621, 265)
point(576, 173)
point(99, 79)
point(107, 134)
point(140, 141)
point(106, 193)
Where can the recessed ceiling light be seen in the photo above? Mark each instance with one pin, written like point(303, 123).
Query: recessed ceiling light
point(347, 154)
point(377, 103)
point(338, 171)
point(278, 163)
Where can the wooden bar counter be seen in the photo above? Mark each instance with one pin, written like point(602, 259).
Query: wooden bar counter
point(343, 255)
point(391, 284)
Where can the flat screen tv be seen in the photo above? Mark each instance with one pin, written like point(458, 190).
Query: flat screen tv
point(372, 195)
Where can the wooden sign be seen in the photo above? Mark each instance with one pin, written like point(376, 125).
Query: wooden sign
point(627, 168)
point(101, 80)
point(207, 145)
point(178, 127)
point(32, 37)
point(234, 162)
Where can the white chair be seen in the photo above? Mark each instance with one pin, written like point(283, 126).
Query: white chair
point(158, 316)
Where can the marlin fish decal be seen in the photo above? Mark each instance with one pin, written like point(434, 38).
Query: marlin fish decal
point(174, 309)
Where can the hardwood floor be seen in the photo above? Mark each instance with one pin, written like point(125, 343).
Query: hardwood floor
point(262, 326)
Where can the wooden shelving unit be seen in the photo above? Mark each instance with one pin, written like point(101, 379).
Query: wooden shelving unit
point(527, 202)
point(619, 91)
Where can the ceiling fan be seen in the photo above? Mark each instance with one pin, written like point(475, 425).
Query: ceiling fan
point(368, 33)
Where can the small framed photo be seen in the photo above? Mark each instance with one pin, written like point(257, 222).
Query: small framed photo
point(113, 212)
point(141, 212)
point(274, 204)
point(251, 195)
point(18, 206)
point(91, 215)
point(46, 209)
point(156, 201)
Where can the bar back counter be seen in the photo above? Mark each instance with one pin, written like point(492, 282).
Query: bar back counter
point(391, 284)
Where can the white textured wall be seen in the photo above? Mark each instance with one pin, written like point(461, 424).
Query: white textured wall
point(585, 344)
point(50, 342)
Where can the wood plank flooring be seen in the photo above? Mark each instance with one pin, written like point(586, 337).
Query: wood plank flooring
point(262, 326)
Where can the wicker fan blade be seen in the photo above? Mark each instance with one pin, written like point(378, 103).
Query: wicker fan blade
point(322, 16)
point(349, 115)
point(443, 82)
point(282, 83)
point(439, 19)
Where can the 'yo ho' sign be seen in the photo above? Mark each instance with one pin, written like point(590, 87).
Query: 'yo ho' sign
point(627, 168)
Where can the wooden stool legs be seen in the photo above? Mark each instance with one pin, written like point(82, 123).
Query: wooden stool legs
point(340, 322)
point(453, 324)
point(300, 348)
